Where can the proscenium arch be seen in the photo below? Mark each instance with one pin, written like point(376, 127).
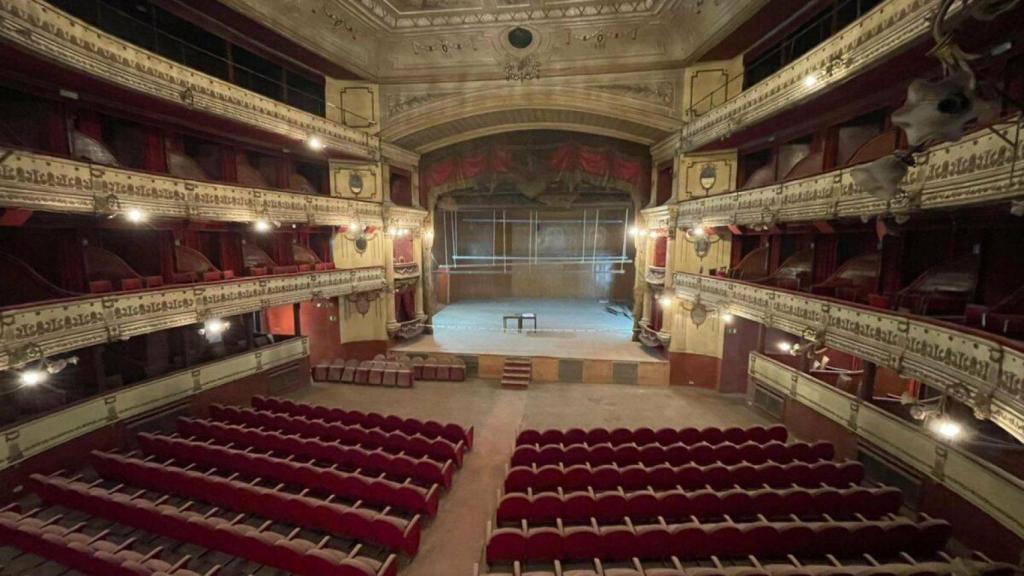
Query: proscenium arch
point(461, 117)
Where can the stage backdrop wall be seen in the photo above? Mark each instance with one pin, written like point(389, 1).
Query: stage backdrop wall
point(535, 253)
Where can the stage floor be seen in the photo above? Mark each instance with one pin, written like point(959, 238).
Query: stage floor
point(566, 328)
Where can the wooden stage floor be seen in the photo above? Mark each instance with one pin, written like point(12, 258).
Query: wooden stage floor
point(566, 328)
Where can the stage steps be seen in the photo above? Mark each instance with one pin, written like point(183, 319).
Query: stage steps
point(517, 372)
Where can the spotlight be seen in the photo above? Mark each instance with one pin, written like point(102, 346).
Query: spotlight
point(785, 346)
point(947, 428)
point(135, 216)
point(727, 318)
point(697, 232)
point(810, 80)
point(315, 143)
point(633, 231)
point(665, 301)
point(214, 327)
point(32, 377)
point(261, 225)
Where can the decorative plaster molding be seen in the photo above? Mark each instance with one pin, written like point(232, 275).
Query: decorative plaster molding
point(994, 491)
point(979, 369)
point(888, 29)
point(655, 275)
point(653, 339)
point(411, 219)
point(659, 93)
point(54, 184)
point(406, 330)
point(38, 28)
point(981, 168)
point(26, 439)
point(57, 326)
point(406, 270)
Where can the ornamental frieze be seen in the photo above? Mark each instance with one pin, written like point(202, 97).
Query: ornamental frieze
point(36, 27)
point(53, 184)
point(31, 332)
point(970, 366)
point(980, 168)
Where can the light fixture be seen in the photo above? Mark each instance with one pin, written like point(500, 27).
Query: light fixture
point(135, 216)
point(665, 301)
point(947, 428)
point(785, 346)
point(214, 327)
point(261, 225)
point(810, 80)
point(32, 377)
point(315, 143)
point(428, 235)
point(634, 231)
point(697, 232)
point(726, 318)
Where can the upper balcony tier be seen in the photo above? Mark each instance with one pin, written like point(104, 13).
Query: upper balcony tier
point(47, 183)
point(35, 331)
point(978, 169)
point(980, 369)
point(889, 29)
point(36, 28)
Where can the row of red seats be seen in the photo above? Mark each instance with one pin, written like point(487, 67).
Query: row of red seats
point(400, 466)
point(371, 372)
point(906, 565)
point(674, 454)
point(699, 540)
point(678, 504)
point(435, 448)
point(295, 555)
point(87, 554)
point(388, 531)
point(349, 485)
point(664, 436)
point(687, 477)
point(429, 428)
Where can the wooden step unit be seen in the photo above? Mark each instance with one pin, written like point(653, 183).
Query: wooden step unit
point(517, 373)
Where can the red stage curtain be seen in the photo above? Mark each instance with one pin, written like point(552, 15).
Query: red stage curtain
point(660, 250)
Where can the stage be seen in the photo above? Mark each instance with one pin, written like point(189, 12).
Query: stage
point(576, 340)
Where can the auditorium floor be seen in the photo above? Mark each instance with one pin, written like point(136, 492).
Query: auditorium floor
point(454, 540)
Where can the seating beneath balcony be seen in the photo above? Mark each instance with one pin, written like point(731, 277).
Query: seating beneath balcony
point(854, 281)
point(30, 286)
point(752, 266)
point(259, 263)
point(307, 259)
point(108, 272)
point(191, 265)
point(1005, 317)
point(943, 290)
point(794, 273)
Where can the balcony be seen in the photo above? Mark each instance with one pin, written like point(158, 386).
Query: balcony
point(404, 217)
point(655, 275)
point(884, 32)
point(43, 433)
point(979, 369)
point(652, 338)
point(406, 270)
point(980, 168)
point(994, 491)
point(54, 184)
point(36, 331)
point(35, 27)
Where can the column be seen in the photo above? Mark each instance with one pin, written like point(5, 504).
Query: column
point(418, 254)
point(648, 304)
point(389, 275)
point(414, 184)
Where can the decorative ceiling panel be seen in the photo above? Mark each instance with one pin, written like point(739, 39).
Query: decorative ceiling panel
point(431, 40)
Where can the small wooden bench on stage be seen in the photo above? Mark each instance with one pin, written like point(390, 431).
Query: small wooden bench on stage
point(520, 319)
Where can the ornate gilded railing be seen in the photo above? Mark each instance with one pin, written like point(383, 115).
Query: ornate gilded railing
point(54, 184)
point(655, 275)
point(41, 29)
point(980, 168)
point(406, 270)
point(992, 490)
point(411, 219)
point(885, 31)
point(35, 436)
point(978, 369)
point(56, 326)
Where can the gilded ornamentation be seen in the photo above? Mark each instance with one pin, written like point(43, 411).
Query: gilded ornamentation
point(979, 371)
point(60, 326)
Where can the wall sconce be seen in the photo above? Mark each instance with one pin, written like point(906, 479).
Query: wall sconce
point(702, 240)
point(358, 234)
point(41, 372)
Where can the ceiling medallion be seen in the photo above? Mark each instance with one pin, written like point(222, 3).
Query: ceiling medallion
point(522, 69)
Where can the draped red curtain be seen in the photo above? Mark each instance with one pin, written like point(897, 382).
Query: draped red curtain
point(153, 157)
point(405, 305)
point(826, 254)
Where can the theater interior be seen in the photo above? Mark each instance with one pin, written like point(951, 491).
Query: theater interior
point(511, 288)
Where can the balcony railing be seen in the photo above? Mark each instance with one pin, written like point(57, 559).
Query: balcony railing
point(36, 331)
point(978, 169)
point(655, 275)
point(997, 493)
point(38, 28)
point(35, 436)
point(406, 270)
point(979, 369)
point(54, 184)
point(406, 217)
point(887, 30)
